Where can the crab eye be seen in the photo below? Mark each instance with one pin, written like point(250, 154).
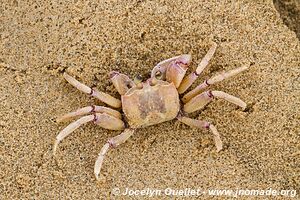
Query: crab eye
point(138, 79)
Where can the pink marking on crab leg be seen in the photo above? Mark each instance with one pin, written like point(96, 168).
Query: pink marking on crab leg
point(112, 143)
point(90, 109)
point(198, 102)
point(211, 81)
point(203, 124)
point(102, 119)
point(189, 80)
point(106, 98)
point(121, 82)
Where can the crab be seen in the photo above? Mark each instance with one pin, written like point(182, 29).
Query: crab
point(150, 102)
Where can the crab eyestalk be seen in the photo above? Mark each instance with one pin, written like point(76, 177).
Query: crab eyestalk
point(153, 81)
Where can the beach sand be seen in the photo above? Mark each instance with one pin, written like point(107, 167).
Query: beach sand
point(40, 41)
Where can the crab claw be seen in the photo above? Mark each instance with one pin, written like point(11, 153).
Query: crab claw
point(121, 82)
point(177, 69)
point(172, 69)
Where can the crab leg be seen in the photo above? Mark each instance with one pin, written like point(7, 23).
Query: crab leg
point(204, 98)
point(106, 98)
point(189, 80)
point(113, 142)
point(102, 119)
point(88, 110)
point(203, 124)
point(211, 81)
point(121, 82)
point(172, 69)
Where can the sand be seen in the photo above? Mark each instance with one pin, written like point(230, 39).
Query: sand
point(290, 13)
point(40, 41)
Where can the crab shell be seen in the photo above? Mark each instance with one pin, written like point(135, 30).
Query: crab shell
point(150, 104)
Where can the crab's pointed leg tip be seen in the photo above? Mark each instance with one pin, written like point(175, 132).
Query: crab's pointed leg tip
point(244, 68)
point(59, 119)
point(56, 142)
point(100, 179)
point(187, 58)
point(97, 177)
point(244, 106)
point(65, 74)
point(219, 147)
